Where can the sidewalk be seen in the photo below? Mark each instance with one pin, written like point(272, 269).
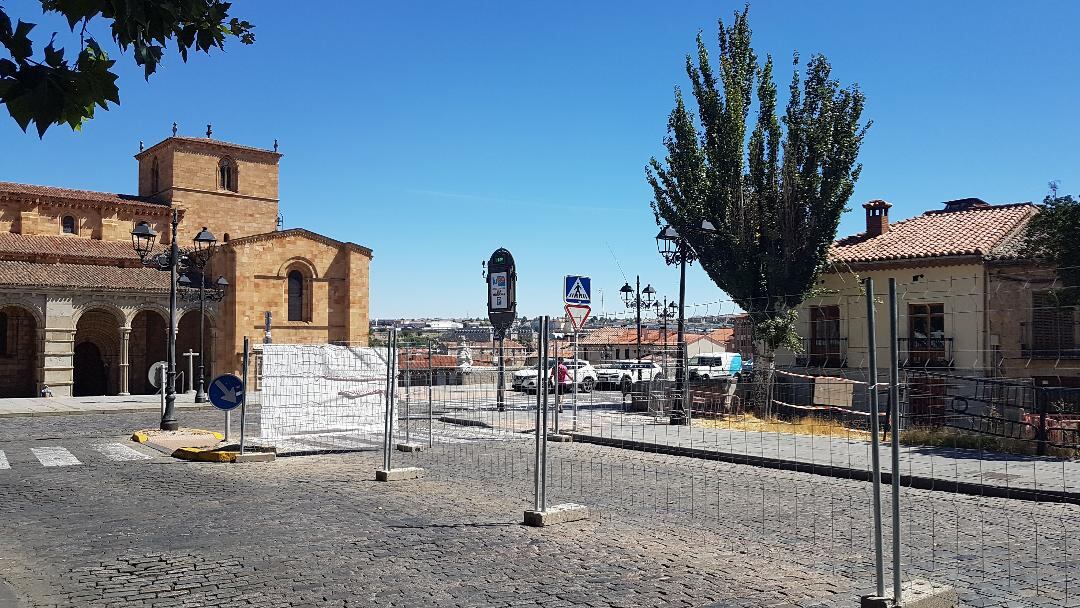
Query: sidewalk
point(63, 406)
point(961, 471)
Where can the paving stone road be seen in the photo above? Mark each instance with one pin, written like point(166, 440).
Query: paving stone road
point(317, 531)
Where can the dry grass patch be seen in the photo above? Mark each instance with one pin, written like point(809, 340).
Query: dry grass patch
point(806, 425)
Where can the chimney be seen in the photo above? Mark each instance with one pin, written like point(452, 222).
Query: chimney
point(877, 217)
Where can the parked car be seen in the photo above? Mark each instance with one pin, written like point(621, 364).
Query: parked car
point(525, 380)
point(618, 374)
point(709, 366)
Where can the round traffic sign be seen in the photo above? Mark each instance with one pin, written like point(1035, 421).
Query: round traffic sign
point(226, 391)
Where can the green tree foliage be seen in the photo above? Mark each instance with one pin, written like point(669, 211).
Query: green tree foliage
point(775, 196)
point(1052, 236)
point(49, 89)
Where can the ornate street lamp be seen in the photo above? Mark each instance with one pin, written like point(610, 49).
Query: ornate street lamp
point(204, 248)
point(142, 240)
point(675, 250)
point(637, 298)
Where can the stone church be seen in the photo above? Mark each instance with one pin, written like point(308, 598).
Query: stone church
point(80, 313)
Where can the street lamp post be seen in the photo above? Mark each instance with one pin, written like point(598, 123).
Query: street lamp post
point(180, 264)
point(635, 297)
point(204, 248)
point(142, 239)
point(675, 250)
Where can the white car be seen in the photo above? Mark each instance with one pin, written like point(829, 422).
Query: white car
point(525, 380)
point(618, 374)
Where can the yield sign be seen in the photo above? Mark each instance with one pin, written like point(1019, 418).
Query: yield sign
point(578, 314)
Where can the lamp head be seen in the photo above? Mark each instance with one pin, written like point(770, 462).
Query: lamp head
point(142, 239)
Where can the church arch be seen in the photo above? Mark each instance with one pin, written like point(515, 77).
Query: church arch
point(96, 369)
point(146, 346)
point(20, 351)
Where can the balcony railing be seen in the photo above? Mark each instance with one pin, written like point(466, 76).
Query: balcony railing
point(1046, 345)
point(926, 352)
point(824, 352)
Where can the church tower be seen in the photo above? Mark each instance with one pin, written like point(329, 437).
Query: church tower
point(229, 188)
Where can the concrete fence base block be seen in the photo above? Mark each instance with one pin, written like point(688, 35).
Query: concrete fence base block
point(255, 457)
point(559, 438)
point(409, 447)
point(559, 514)
point(916, 593)
point(399, 474)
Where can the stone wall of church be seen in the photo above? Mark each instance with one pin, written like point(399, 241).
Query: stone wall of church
point(335, 293)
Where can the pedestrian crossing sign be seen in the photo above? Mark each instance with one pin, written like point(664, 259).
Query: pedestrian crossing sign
point(577, 289)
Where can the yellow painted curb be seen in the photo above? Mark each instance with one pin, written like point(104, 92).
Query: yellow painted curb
point(140, 437)
point(201, 455)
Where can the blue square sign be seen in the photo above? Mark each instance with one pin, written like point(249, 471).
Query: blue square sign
point(577, 290)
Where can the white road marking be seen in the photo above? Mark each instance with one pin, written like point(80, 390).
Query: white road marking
point(55, 457)
point(120, 452)
point(3, 461)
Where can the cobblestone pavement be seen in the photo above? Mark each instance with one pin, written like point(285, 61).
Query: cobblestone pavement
point(316, 531)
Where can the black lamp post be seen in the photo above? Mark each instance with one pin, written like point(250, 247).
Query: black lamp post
point(204, 248)
point(635, 297)
point(142, 239)
point(676, 250)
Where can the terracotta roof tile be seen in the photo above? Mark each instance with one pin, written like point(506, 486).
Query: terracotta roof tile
point(722, 334)
point(628, 335)
point(66, 248)
point(76, 195)
point(974, 232)
point(82, 276)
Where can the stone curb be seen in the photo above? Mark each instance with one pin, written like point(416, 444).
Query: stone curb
point(204, 455)
point(839, 472)
point(111, 410)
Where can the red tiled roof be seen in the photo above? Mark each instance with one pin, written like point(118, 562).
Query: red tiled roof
point(722, 334)
point(23, 246)
point(973, 232)
point(628, 335)
point(75, 195)
point(82, 276)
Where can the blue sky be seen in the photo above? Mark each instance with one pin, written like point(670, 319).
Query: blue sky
point(435, 132)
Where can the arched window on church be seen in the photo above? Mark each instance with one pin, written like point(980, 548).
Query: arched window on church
point(155, 177)
point(67, 225)
point(227, 171)
point(296, 296)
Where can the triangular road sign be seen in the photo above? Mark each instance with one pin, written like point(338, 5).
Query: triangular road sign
point(578, 314)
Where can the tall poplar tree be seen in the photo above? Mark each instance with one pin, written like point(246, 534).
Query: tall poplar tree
point(774, 196)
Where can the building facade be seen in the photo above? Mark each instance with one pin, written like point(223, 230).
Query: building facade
point(970, 302)
point(79, 311)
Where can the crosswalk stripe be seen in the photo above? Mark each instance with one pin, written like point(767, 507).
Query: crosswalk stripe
point(3, 461)
point(55, 457)
point(120, 452)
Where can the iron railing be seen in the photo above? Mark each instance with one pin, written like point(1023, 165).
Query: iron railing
point(926, 352)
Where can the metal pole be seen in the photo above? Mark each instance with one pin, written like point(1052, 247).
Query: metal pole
point(555, 377)
point(200, 393)
point(391, 380)
point(431, 381)
point(190, 354)
point(163, 381)
point(500, 382)
point(243, 401)
point(168, 419)
point(894, 410)
point(682, 383)
point(875, 432)
point(544, 426)
point(408, 395)
point(542, 344)
point(575, 375)
point(637, 304)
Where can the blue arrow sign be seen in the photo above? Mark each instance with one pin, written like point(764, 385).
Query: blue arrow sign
point(226, 391)
point(577, 290)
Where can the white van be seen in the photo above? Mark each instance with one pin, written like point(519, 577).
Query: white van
point(708, 366)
